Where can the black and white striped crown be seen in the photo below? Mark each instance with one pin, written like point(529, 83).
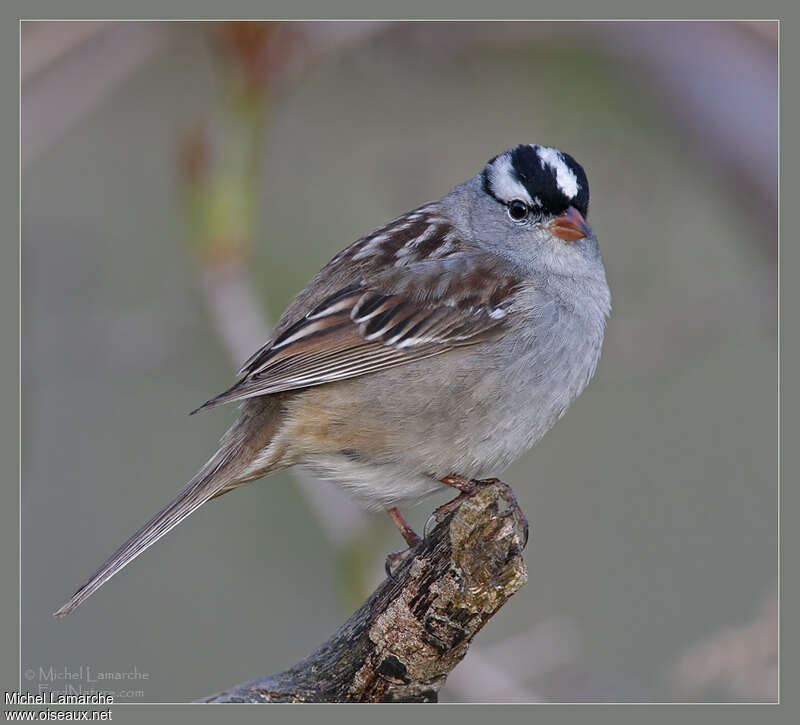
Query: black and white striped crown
point(545, 178)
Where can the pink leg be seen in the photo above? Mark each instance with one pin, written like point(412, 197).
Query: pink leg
point(411, 536)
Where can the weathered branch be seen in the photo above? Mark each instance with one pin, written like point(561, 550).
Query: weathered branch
point(417, 625)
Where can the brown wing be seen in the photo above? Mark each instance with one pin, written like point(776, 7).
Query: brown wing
point(391, 315)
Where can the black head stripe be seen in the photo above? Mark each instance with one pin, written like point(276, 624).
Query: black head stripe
point(553, 179)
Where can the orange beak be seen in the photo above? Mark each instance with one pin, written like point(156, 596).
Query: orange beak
point(570, 226)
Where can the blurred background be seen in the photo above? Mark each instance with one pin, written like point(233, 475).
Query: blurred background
point(182, 181)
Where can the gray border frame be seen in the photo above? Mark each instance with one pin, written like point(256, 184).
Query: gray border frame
point(10, 428)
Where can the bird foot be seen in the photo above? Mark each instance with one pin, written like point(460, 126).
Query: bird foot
point(467, 489)
point(412, 537)
point(393, 561)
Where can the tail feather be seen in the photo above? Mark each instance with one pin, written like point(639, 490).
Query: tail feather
point(226, 396)
point(218, 473)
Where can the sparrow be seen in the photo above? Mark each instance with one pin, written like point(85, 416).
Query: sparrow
point(431, 352)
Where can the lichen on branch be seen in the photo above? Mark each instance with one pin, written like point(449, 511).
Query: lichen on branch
point(418, 624)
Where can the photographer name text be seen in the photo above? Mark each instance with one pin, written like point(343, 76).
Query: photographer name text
point(57, 698)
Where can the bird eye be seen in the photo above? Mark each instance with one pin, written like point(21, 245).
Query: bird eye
point(518, 210)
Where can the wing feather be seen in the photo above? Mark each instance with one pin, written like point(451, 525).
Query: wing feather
point(388, 315)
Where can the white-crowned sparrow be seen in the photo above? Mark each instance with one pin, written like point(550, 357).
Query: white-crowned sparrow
point(434, 350)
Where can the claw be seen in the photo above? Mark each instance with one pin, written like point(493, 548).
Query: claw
point(469, 487)
point(430, 525)
point(394, 561)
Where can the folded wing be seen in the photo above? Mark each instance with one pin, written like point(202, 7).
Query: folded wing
point(390, 317)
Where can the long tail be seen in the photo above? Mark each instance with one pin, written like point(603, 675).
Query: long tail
point(215, 475)
point(246, 437)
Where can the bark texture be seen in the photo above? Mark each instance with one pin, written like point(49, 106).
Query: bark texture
point(418, 624)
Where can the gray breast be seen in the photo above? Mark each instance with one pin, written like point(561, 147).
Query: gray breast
point(476, 409)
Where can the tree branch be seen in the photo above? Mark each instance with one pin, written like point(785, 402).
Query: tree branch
point(417, 625)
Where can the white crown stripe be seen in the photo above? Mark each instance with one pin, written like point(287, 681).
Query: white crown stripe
point(504, 182)
point(566, 180)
